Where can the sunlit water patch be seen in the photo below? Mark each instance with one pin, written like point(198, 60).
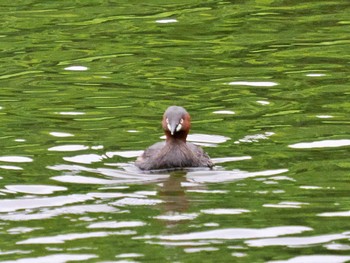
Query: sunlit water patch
point(8, 205)
point(71, 113)
point(315, 75)
point(115, 224)
point(227, 112)
point(35, 189)
point(254, 84)
point(173, 216)
point(54, 258)
point(335, 214)
point(235, 233)
point(255, 137)
point(76, 68)
point(224, 211)
point(61, 134)
point(68, 148)
point(315, 258)
point(321, 144)
point(10, 167)
point(166, 21)
point(227, 176)
point(15, 159)
point(84, 158)
point(42, 212)
point(297, 241)
point(286, 204)
point(72, 236)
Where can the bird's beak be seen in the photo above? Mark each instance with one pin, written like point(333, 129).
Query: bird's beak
point(174, 127)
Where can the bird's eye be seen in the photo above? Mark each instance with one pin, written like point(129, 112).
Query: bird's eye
point(181, 121)
point(167, 120)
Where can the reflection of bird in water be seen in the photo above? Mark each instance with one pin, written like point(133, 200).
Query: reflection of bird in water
point(173, 193)
point(175, 152)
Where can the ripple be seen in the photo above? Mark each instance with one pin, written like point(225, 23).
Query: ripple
point(254, 84)
point(125, 154)
point(50, 213)
point(263, 102)
point(224, 211)
point(35, 189)
point(79, 179)
point(12, 252)
point(114, 195)
point(10, 167)
point(335, 214)
point(338, 247)
point(324, 116)
point(310, 187)
point(229, 112)
point(68, 148)
point(296, 241)
point(8, 205)
point(15, 159)
point(207, 191)
point(61, 134)
point(166, 21)
point(314, 258)
point(239, 254)
point(22, 230)
point(255, 137)
point(71, 113)
point(115, 224)
point(230, 159)
point(84, 158)
point(238, 233)
point(315, 75)
point(132, 131)
point(173, 216)
point(129, 255)
point(55, 258)
point(215, 139)
point(76, 68)
point(286, 205)
point(136, 202)
point(320, 144)
point(116, 176)
point(200, 249)
point(60, 239)
point(227, 176)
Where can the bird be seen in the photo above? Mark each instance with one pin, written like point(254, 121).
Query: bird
point(175, 152)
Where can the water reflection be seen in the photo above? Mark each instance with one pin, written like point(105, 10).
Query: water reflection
point(173, 193)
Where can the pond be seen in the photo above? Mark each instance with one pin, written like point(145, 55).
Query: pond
point(84, 85)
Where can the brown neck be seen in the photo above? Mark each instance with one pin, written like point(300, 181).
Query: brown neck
point(178, 136)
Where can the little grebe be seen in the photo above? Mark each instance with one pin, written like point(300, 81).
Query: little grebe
point(175, 152)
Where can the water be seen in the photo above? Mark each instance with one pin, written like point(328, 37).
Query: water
point(83, 88)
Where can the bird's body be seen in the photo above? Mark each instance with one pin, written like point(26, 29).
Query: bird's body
point(175, 152)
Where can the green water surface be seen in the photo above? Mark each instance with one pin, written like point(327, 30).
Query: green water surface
point(84, 84)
